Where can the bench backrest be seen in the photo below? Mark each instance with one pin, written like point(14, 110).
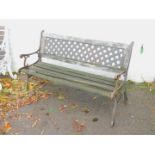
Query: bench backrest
point(98, 53)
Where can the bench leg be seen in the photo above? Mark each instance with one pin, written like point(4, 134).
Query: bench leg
point(125, 97)
point(115, 102)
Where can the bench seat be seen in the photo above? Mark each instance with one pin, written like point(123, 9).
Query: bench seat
point(105, 72)
point(69, 75)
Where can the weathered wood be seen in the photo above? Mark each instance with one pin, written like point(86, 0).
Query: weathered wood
point(86, 64)
point(86, 51)
point(72, 84)
point(71, 78)
point(87, 41)
point(76, 74)
point(68, 70)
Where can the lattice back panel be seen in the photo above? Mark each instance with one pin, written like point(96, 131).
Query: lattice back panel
point(96, 54)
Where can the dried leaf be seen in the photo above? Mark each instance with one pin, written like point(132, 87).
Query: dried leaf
point(34, 123)
point(47, 114)
point(7, 127)
point(78, 126)
point(95, 97)
point(31, 86)
point(85, 110)
point(95, 119)
point(61, 97)
point(72, 105)
point(153, 109)
point(15, 95)
point(63, 108)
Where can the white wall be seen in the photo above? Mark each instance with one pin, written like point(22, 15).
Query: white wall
point(25, 34)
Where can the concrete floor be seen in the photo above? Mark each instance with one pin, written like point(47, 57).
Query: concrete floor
point(57, 115)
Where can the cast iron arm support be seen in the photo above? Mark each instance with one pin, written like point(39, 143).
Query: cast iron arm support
point(25, 56)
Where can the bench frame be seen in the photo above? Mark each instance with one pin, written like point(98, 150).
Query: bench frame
point(120, 89)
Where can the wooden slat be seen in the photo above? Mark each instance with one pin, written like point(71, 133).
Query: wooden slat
point(41, 64)
point(72, 84)
point(71, 73)
point(70, 78)
point(72, 61)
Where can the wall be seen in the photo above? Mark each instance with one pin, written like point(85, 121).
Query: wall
point(25, 34)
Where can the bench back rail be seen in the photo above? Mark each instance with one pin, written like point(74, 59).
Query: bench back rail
point(84, 51)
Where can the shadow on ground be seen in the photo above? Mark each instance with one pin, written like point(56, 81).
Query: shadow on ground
point(80, 112)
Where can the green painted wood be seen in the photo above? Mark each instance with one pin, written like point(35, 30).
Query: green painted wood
point(70, 78)
point(71, 71)
point(74, 74)
point(71, 84)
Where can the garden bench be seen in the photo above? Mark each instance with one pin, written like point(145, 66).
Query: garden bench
point(95, 66)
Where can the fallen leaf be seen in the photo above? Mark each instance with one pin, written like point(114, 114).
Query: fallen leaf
point(47, 114)
point(15, 95)
point(61, 97)
point(95, 97)
point(34, 123)
point(153, 109)
point(85, 110)
point(63, 108)
point(78, 126)
point(7, 126)
point(72, 105)
point(7, 84)
point(95, 119)
point(31, 86)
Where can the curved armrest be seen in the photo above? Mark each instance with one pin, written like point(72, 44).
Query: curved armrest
point(25, 56)
point(29, 54)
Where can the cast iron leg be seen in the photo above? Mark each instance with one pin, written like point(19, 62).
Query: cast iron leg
point(113, 113)
point(125, 98)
